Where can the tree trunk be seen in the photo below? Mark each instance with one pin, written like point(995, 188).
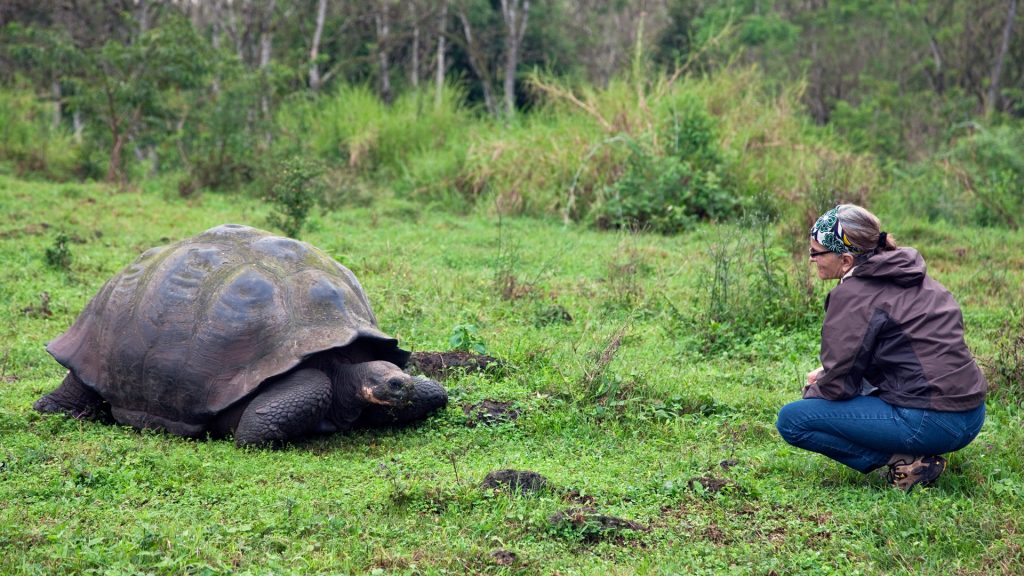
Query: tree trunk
point(266, 48)
point(79, 126)
point(439, 72)
point(57, 104)
point(479, 67)
point(414, 57)
point(515, 13)
point(314, 67)
point(383, 62)
point(992, 101)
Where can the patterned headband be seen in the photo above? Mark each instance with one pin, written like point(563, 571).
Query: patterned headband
point(828, 231)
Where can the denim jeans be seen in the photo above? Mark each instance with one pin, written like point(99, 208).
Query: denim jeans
point(864, 432)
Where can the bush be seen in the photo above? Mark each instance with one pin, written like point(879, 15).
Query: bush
point(30, 141)
point(992, 168)
point(668, 192)
point(298, 187)
point(978, 180)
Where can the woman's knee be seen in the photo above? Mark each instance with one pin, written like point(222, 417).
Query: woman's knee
point(789, 421)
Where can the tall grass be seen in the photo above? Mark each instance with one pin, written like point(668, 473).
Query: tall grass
point(566, 157)
point(29, 141)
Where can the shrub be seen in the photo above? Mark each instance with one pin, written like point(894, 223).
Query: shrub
point(668, 192)
point(30, 141)
point(298, 187)
point(992, 162)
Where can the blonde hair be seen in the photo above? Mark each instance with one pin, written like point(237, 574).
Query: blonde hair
point(863, 229)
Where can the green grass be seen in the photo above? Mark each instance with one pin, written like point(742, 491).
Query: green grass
point(632, 430)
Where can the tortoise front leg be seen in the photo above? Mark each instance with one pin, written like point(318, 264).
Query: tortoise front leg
point(76, 400)
point(288, 409)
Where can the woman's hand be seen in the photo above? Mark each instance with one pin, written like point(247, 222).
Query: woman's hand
point(812, 376)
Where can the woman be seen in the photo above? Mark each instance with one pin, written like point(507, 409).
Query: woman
point(897, 385)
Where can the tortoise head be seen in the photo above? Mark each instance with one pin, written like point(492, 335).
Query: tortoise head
point(383, 383)
point(361, 384)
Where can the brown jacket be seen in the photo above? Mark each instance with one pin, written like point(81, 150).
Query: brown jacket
point(890, 325)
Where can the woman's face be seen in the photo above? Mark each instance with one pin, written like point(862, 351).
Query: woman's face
point(831, 266)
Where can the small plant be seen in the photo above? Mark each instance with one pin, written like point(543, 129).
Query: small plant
point(669, 188)
point(1006, 370)
point(466, 337)
point(298, 187)
point(58, 255)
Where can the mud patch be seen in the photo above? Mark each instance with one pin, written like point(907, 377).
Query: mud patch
point(516, 481)
point(556, 314)
point(592, 525)
point(440, 365)
point(504, 557)
point(489, 412)
point(710, 484)
point(42, 310)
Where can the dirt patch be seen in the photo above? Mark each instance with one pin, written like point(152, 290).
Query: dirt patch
point(42, 310)
point(553, 315)
point(489, 412)
point(440, 365)
point(516, 481)
point(591, 524)
point(504, 557)
point(710, 484)
point(9, 378)
point(574, 496)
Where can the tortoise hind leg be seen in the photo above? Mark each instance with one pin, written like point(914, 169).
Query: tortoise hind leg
point(76, 400)
point(288, 409)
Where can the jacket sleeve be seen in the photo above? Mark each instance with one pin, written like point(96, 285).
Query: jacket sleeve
point(848, 338)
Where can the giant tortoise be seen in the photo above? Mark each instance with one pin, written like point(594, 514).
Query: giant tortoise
point(236, 332)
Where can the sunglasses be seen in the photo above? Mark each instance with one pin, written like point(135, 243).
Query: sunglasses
point(815, 253)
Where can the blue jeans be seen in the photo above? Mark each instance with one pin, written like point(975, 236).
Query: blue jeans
point(864, 432)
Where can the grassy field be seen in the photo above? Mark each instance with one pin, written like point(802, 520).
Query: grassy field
point(632, 399)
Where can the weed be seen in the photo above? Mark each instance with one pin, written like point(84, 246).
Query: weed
point(58, 254)
point(1006, 369)
point(297, 188)
point(466, 337)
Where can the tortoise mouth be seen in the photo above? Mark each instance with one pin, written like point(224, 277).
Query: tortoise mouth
point(393, 400)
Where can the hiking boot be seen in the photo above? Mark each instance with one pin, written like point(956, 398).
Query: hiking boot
point(919, 471)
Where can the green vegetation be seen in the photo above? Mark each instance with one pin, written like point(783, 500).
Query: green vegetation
point(616, 208)
point(637, 386)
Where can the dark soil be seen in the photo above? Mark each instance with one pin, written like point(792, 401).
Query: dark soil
point(710, 484)
point(516, 481)
point(504, 557)
point(592, 524)
point(440, 365)
point(489, 412)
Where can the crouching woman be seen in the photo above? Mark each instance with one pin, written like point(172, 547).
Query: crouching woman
point(897, 386)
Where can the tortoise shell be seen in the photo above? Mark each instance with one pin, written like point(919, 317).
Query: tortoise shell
point(189, 329)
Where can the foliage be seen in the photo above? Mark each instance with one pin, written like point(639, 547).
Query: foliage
point(467, 337)
point(977, 180)
point(993, 169)
point(30, 141)
point(58, 255)
point(220, 141)
point(617, 405)
point(669, 192)
point(1006, 368)
point(297, 187)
